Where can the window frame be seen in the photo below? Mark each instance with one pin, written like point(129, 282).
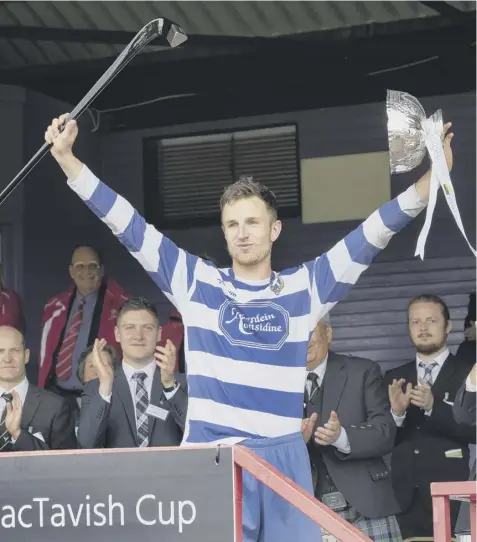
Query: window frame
point(152, 185)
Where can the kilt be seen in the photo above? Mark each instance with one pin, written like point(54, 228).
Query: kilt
point(379, 529)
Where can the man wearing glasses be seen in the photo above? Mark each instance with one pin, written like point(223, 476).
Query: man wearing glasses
point(72, 321)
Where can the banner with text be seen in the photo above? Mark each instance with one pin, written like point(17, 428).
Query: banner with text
point(147, 495)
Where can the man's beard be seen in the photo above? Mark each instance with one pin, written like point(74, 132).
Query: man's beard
point(246, 260)
point(430, 348)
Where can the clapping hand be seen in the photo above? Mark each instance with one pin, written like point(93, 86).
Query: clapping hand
point(421, 396)
point(399, 399)
point(331, 431)
point(103, 368)
point(307, 425)
point(166, 361)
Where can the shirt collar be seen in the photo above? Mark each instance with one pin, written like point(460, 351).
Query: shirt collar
point(20, 388)
point(320, 370)
point(149, 369)
point(439, 359)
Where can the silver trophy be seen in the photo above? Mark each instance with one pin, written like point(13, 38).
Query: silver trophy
point(407, 128)
point(410, 135)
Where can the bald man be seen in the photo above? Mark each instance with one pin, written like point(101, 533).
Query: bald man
point(30, 419)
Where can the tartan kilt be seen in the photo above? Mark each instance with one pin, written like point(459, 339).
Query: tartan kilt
point(380, 529)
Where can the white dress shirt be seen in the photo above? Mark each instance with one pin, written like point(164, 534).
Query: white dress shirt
point(439, 359)
point(342, 442)
point(129, 373)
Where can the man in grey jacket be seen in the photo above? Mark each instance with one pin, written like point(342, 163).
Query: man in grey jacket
point(142, 403)
point(347, 410)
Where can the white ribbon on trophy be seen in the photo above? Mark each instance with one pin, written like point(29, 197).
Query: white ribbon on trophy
point(410, 134)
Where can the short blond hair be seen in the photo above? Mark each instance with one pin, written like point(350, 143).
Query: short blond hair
point(247, 187)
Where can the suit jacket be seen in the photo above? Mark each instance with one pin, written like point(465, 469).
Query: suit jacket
point(419, 456)
point(354, 388)
point(464, 412)
point(55, 317)
point(49, 414)
point(112, 424)
point(464, 406)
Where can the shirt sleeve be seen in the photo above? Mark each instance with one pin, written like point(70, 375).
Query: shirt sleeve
point(342, 442)
point(335, 272)
point(170, 394)
point(398, 420)
point(170, 267)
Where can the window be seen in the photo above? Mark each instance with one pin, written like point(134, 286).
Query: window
point(185, 176)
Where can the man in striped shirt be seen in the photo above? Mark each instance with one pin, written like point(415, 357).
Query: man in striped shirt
point(246, 327)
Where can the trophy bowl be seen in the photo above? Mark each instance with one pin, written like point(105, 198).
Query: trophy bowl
point(407, 125)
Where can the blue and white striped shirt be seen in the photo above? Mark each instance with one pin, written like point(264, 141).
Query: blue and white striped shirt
point(246, 343)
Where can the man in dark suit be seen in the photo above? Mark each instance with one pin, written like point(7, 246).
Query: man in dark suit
point(30, 419)
point(464, 413)
point(143, 402)
point(430, 445)
point(355, 430)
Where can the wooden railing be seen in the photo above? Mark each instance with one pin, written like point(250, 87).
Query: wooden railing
point(291, 492)
point(441, 493)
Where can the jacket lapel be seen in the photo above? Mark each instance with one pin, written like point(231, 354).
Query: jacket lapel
point(32, 402)
point(333, 384)
point(122, 388)
point(156, 398)
point(445, 376)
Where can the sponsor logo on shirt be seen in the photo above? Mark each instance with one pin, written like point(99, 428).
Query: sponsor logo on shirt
point(257, 324)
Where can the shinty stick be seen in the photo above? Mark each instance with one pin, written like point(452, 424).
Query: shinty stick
point(168, 31)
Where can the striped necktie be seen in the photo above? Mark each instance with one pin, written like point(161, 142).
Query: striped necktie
point(5, 438)
point(142, 402)
point(428, 368)
point(313, 378)
point(64, 364)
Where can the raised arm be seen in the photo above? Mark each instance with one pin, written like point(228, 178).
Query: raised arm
point(170, 268)
point(337, 271)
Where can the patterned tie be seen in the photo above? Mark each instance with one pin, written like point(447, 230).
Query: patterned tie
point(5, 438)
point(142, 402)
point(313, 378)
point(64, 365)
point(428, 368)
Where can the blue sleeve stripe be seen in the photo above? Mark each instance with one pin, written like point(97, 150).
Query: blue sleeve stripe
point(393, 216)
point(360, 250)
point(133, 236)
point(168, 257)
point(329, 289)
point(102, 200)
point(156, 253)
